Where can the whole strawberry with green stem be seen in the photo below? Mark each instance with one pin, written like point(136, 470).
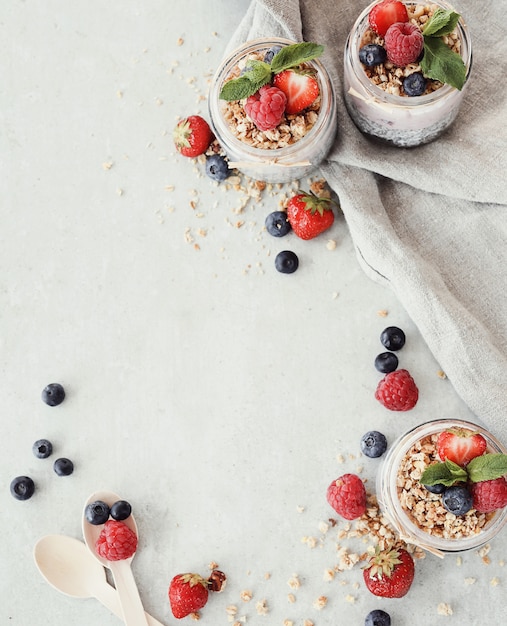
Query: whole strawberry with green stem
point(309, 215)
point(389, 573)
point(188, 593)
point(192, 136)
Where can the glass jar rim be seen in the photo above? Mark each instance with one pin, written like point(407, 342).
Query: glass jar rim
point(278, 155)
point(393, 100)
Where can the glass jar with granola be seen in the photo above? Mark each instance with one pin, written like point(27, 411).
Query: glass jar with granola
point(443, 456)
point(273, 109)
point(406, 67)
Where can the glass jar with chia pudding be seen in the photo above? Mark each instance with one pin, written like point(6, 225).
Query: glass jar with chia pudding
point(418, 514)
point(298, 143)
point(380, 101)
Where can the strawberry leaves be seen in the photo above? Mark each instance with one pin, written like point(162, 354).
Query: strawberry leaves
point(258, 73)
point(439, 61)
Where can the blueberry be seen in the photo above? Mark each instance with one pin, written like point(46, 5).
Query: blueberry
point(42, 448)
point(277, 224)
point(121, 510)
point(97, 512)
point(217, 167)
point(414, 84)
point(457, 499)
point(438, 488)
point(377, 618)
point(373, 444)
point(392, 338)
point(286, 262)
point(386, 362)
point(53, 394)
point(63, 467)
point(372, 54)
point(22, 487)
point(268, 57)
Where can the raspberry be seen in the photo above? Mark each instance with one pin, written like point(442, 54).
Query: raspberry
point(489, 495)
point(266, 107)
point(116, 541)
point(397, 391)
point(347, 496)
point(404, 43)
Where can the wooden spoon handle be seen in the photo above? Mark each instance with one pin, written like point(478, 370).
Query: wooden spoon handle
point(128, 594)
point(109, 598)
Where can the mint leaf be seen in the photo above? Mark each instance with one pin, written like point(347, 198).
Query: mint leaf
point(446, 474)
point(442, 22)
point(295, 54)
point(257, 75)
point(239, 88)
point(441, 63)
point(487, 467)
point(257, 71)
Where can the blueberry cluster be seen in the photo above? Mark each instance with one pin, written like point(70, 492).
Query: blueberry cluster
point(23, 487)
point(393, 339)
point(99, 512)
point(278, 225)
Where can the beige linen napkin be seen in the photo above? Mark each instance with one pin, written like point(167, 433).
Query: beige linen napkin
point(429, 221)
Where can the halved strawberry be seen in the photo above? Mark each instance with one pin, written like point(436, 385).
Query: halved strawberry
point(460, 445)
point(300, 87)
point(386, 13)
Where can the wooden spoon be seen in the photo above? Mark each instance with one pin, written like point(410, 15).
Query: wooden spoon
point(68, 566)
point(133, 612)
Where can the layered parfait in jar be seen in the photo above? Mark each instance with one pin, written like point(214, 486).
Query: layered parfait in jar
point(406, 67)
point(443, 486)
point(273, 109)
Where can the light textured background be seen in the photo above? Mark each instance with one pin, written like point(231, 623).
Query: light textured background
point(210, 391)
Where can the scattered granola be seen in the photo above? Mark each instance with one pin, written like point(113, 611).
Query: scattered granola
point(262, 607)
point(320, 603)
point(444, 609)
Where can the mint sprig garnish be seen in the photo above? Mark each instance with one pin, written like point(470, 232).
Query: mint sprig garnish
point(485, 467)
point(258, 73)
point(439, 61)
point(446, 473)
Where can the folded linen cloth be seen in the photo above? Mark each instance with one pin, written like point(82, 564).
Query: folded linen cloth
point(429, 221)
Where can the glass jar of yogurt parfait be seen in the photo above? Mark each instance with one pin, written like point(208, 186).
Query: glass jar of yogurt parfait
point(401, 120)
point(416, 514)
point(285, 153)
